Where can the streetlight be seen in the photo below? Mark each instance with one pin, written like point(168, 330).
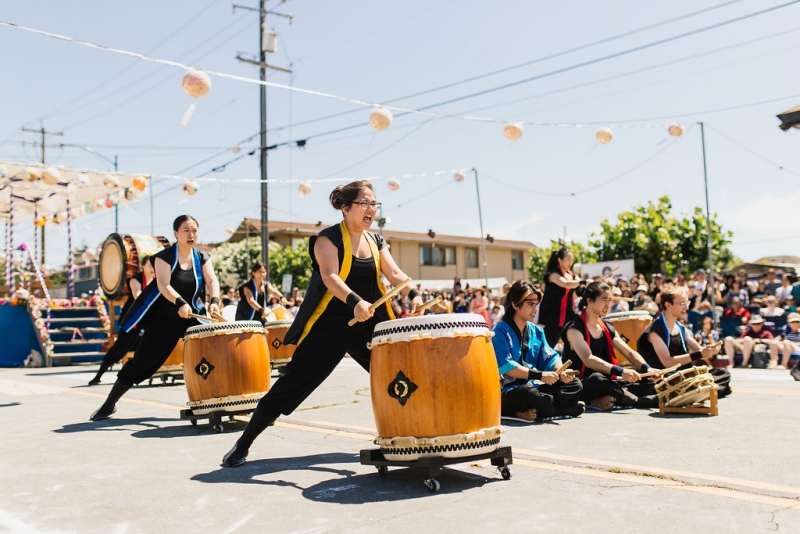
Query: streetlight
point(106, 160)
point(790, 118)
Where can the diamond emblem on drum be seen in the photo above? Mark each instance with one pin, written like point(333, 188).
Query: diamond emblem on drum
point(276, 343)
point(401, 388)
point(204, 368)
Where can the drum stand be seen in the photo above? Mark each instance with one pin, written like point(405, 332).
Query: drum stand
point(214, 418)
point(166, 377)
point(432, 467)
point(696, 408)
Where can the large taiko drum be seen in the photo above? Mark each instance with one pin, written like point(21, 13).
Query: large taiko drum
point(434, 386)
point(686, 387)
point(280, 354)
point(226, 366)
point(121, 257)
point(630, 324)
point(174, 363)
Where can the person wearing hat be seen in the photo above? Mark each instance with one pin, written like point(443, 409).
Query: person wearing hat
point(642, 300)
point(618, 304)
point(788, 345)
point(752, 336)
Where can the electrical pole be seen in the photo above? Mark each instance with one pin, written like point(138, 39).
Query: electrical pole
point(44, 134)
point(483, 237)
point(710, 282)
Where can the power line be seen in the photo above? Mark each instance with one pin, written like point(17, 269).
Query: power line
point(753, 152)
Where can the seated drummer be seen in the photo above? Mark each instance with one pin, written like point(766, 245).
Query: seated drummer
point(252, 295)
point(531, 389)
point(665, 343)
point(590, 342)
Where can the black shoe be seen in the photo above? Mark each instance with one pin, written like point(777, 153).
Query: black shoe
point(795, 372)
point(94, 381)
point(235, 457)
point(573, 411)
point(109, 407)
point(103, 413)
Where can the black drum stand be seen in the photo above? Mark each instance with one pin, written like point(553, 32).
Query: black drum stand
point(432, 467)
point(215, 418)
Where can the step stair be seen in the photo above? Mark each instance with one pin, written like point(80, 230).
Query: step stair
point(76, 335)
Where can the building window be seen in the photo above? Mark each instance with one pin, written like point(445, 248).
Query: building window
point(471, 258)
point(516, 260)
point(437, 256)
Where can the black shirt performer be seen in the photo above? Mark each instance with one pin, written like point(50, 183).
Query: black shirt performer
point(556, 309)
point(347, 262)
point(183, 273)
point(253, 295)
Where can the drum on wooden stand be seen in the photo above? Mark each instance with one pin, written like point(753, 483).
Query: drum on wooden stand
point(630, 324)
point(121, 258)
point(226, 366)
point(434, 387)
point(686, 387)
point(280, 354)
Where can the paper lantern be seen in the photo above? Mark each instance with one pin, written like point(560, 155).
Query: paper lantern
point(139, 183)
point(3, 171)
point(304, 189)
point(30, 174)
point(88, 207)
point(394, 185)
point(110, 181)
point(229, 230)
point(51, 176)
point(190, 187)
point(60, 217)
point(130, 194)
point(513, 131)
point(675, 129)
point(196, 83)
point(81, 181)
point(604, 135)
point(110, 201)
point(380, 119)
point(236, 149)
point(40, 221)
point(459, 176)
point(99, 204)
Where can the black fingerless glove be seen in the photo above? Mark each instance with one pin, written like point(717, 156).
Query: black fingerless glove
point(533, 374)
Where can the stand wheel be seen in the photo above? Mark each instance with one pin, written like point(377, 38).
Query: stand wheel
point(382, 470)
point(163, 379)
point(505, 472)
point(433, 485)
point(150, 382)
point(218, 428)
point(231, 417)
point(281, 372)
point(194, 422)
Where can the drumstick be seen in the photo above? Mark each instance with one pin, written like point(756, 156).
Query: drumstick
point(204, 318)
point(428, 304)
point(384, 298)
point(609, 273)
point(626, 299)
point(221, 318)
point(660, 371)
point(564, 367)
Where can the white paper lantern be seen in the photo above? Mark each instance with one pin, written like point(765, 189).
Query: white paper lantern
point(394, 184)
point(81, 181)
point(110, 181)
point(30, 174)
point(196, 83)
point(51, 176)
point(604, 135)
point(380, 119)
point(304, 189)
point(513, 131)
point(459, 176)
point(229, 230)
point(190, 187)
point(675, 129)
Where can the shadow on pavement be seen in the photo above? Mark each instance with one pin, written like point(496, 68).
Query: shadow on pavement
point(111, 424)
point(348, 486)
point(8, 405)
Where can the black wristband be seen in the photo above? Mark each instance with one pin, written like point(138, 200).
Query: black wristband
point(616, 370)
point(413, 294)
point(646, 367)
point(533, 374)
point(179, 302)
point(214, 300)
point(353, 299)
point(696, 355)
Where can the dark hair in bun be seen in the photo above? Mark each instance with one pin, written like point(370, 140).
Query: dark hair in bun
point(345, 195)
point(257, 266)
point(176, 224)
point(552, 262)
point(590, 292)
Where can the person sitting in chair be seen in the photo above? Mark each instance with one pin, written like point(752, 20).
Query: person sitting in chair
point(754, 334)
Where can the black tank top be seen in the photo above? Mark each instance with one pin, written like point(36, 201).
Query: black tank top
point(599, 345)
point(363, 281)
point(645, 347)
point(552, 301)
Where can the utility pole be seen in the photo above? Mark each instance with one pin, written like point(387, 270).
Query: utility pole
point(483, 237)
point(710, 279)
point(44, 134)
point(267, 42)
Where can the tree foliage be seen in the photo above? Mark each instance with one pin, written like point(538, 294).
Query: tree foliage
point(660, 242)
point(537, 259)
point(231, 262)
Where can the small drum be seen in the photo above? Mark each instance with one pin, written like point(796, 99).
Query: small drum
point(121, 257)
point(686, 387)
point(630, 324)
point(174, 363)
point(280, 354)
point(226, 366)
point(434, 387)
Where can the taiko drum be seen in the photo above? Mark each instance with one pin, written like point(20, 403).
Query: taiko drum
point(226, 366)
point(279, 353)
point(435, 387)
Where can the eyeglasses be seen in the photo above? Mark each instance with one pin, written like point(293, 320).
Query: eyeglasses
point(364, 205)
point(684, 304)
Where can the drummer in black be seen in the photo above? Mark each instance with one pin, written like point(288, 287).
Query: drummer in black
point(252, 295)
point(590, 342)
point(665, 343)
point(183, 273)
point(557, 309)
point(126, 341)
point(347, 263)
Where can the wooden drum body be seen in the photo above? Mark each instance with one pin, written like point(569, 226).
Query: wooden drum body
point(121, 257)
point(435, 388)
point(686, 387)
point(174, 363)
point(630, 326)
point(279, 353)
point(226, 366)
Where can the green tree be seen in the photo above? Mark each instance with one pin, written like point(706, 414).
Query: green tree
point(288, 260)
point(537, 258)
point(659, 242)
point(231, 261)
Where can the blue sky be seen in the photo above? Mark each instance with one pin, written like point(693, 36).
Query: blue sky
point(381, 50)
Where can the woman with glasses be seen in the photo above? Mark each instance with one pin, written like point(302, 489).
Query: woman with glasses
point(592, 344)
point(531, 388)
point(347, 263)
point(666, 343)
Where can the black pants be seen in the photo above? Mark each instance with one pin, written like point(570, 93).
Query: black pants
point(640, 394)
point(160, 336)
point(552, 330)
point(125, 342)
point(546, 400)
point(722, 378)
point(315, 358)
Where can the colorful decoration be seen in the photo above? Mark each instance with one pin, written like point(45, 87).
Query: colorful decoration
point(196, 83)
point(30, 174)
point(604, 135)
point(304, 189)
point(51, 176)
point(380, 119)
point(229, 230)
point(139, 183)
point(40, 221)
point(98, 204)
point(3, 171)
point(110, 181)
point(394, 184)
point(513, 131)
point(675, 129)
point(459, 176)
point(130, 194)
point(190, 187)
point(111, 201)
point(81, 181)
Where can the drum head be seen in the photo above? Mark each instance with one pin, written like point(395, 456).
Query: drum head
point(112, 266)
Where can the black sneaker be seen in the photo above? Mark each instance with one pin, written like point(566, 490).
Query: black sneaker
point(235, 457)
point(795, 372)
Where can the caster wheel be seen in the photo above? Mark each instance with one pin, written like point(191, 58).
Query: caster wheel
point(433, 485)
point(281, 372)
point(194, 422)
point(505, 472)
point(231, 418)
point(218, 428)
point(163, 379)
point(382, 470)
point(150, 382)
